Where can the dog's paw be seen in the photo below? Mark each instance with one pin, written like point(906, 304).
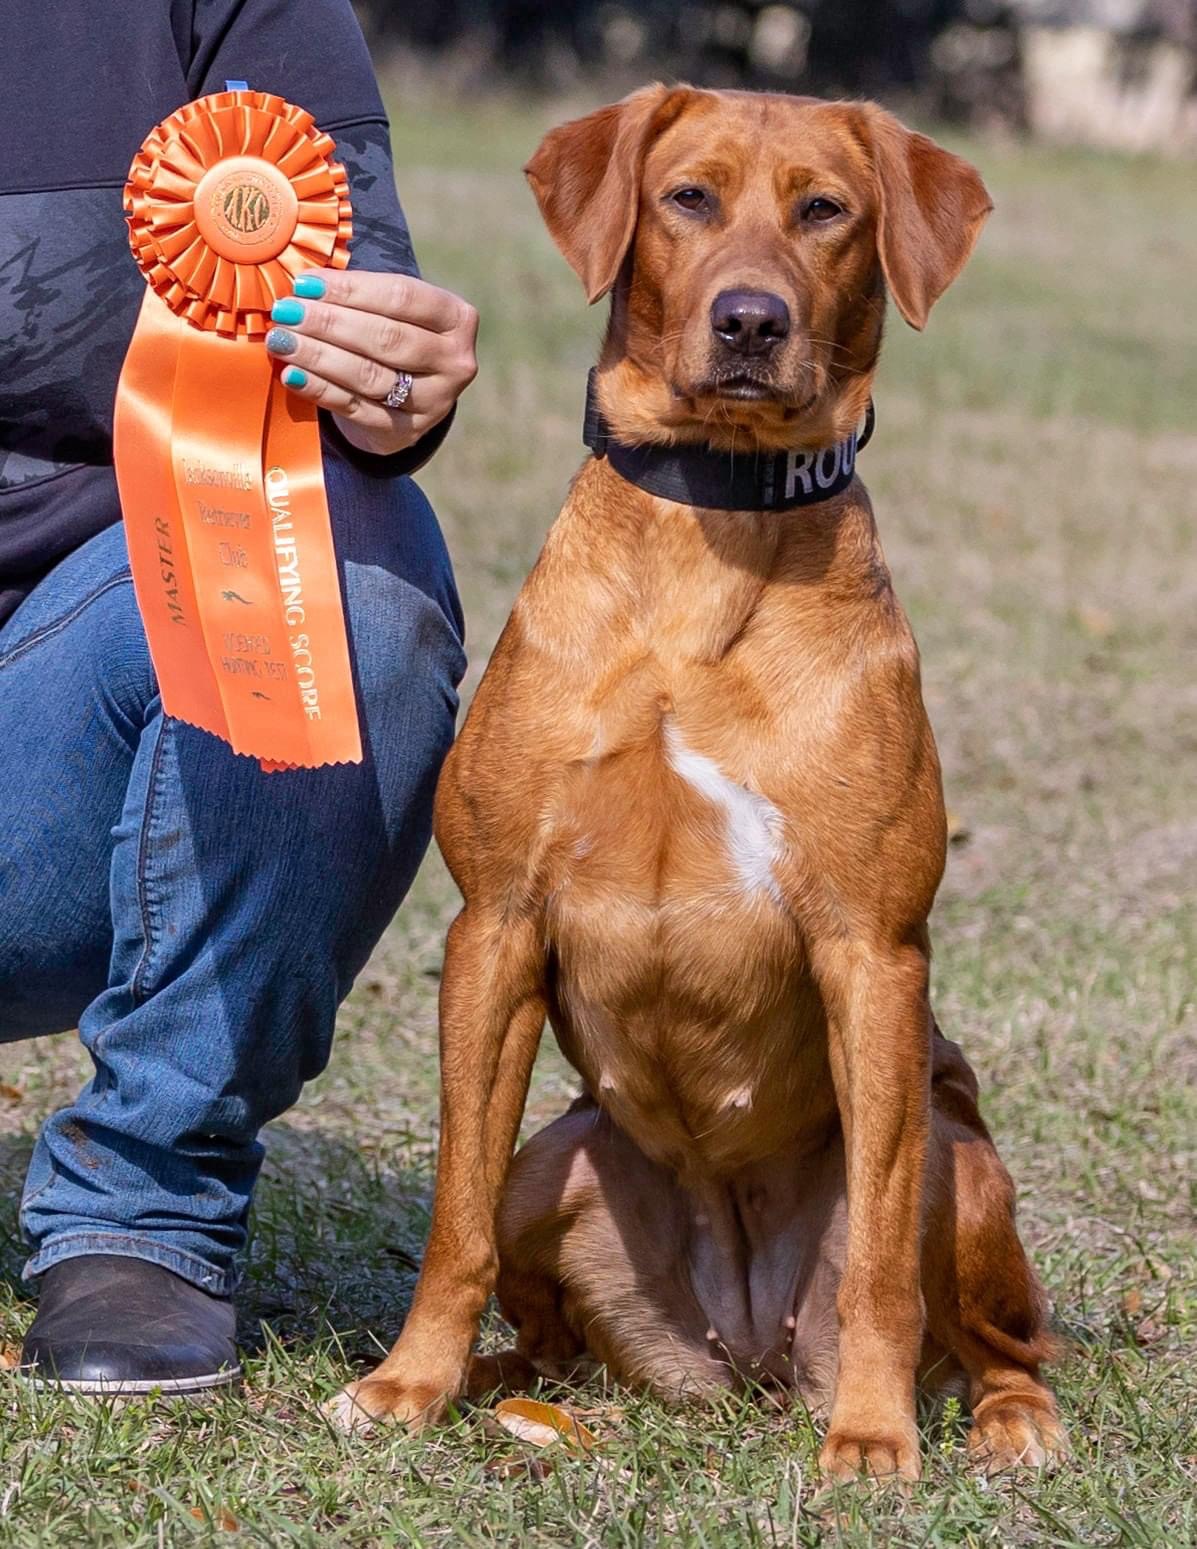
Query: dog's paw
point(374, 1401)
point(892, 1455)
point(1015, 1435)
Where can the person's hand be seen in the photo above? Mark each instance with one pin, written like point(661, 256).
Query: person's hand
point(346, 335)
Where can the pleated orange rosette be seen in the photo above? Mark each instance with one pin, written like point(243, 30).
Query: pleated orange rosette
point(219, 467)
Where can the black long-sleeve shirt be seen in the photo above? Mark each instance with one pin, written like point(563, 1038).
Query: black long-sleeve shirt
point(82, 82)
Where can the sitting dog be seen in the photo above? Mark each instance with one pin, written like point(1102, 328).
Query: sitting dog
point(696, 818)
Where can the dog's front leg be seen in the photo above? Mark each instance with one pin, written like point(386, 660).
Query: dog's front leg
point(491, 1015)
point(879, 1039)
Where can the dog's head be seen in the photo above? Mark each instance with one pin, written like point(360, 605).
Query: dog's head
point(750, 240)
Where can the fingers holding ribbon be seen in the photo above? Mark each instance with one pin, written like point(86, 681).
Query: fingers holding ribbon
point(387, 355)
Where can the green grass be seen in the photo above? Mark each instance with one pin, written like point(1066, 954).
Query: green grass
point(1034, 472)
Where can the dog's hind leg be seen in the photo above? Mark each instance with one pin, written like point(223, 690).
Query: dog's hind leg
point(984, 1303)
point(593, 1266)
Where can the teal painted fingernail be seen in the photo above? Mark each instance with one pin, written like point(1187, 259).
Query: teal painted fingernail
point(294, 377)
point(310, 286)
point(281, 341)
point(288, 310)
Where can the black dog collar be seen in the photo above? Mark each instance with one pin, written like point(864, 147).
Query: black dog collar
point(727, 481)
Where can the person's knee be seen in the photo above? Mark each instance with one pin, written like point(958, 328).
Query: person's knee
point(408, 661)
point(367, 827)
point(407, 677)
point(408, 658)
point(386, 525)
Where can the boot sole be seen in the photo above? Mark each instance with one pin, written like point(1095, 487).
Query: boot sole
point(167, 1387)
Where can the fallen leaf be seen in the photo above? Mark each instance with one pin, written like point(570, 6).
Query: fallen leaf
point(12, 1094)
point(1132, 1302)
point(543, 1424)
point(10, 1357)
point(223, 1519)
point(1150, 1332)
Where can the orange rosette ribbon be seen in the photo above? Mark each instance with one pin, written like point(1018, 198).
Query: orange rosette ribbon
point(219, 467)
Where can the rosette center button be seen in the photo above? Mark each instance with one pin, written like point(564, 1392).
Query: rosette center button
point(246, 209)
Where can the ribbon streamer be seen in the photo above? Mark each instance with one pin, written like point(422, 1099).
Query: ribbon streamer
point(218, 466)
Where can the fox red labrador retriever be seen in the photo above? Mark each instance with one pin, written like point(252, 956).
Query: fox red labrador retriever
point(697, 820)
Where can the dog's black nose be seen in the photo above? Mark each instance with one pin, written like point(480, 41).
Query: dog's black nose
point(750, 321)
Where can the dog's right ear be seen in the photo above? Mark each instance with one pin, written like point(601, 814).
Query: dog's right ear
point(586, 178)
point(932, 207)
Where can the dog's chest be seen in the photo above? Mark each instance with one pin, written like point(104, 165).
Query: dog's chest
point(681, 978)
point(654, 823)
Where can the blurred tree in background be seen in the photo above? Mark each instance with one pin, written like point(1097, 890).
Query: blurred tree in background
point(855, 44)
point(1118, 72)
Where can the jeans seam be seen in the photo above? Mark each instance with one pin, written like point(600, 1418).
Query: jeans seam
point(145, 905)
point(56, 626)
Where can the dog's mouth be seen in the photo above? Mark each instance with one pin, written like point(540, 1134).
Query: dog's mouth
point(738, 386)
point(745, 388)
point(750, 387)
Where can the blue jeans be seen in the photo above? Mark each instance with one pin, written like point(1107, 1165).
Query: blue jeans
point(201, 921)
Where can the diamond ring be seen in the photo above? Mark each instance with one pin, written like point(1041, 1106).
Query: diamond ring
point(400, 391)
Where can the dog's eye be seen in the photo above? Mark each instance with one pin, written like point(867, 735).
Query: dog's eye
point(692, 199)
point(821, 209)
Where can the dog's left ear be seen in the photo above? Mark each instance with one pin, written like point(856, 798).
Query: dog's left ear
point(932, 206)
point(586, 178)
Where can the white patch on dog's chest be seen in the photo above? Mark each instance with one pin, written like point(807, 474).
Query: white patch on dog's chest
point(753, 824)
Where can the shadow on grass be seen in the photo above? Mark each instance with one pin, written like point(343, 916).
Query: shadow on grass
point(336, 1236)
